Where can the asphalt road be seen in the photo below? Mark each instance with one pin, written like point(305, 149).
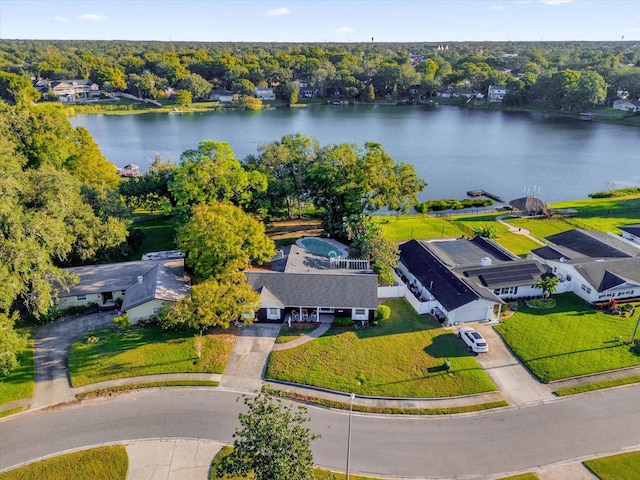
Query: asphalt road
point(469, 446)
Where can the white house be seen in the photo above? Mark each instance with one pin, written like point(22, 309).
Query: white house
point(627, 105)
point(143, 287)
point(223, 96)
point(496, 93)
point(631, 233)
point(302, 286)
point(593, 265)
point(265, 93)
point(462, 280)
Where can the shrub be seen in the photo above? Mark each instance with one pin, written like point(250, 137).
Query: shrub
point(122, 321)
point(383, 313)
point(636, 346)
point(342, 321)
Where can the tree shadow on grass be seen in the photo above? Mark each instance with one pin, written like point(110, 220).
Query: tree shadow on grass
point(446, 345)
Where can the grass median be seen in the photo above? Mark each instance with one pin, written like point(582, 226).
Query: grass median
point(402, 357)
point(617, 467)
point(569, 340)
point(104, 463)
point(146, 351)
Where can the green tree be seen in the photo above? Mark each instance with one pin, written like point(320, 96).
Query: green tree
point(344, 181)
point(196, 85)
point(251, 103)
point(272, 442)
point(183, 97)
point(17, 89)
point(11, 343)
point(486, 231)
point(548, 284)
point(213, 303)
point(285, 164)
point(591, 89)
point(221, 240)
point(366, 235)
point(212, 174)
point(293, 98)
point(88, 164)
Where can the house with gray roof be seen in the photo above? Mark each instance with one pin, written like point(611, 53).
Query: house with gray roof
point(593, 265)
point(461, 280)
point(303, 286)
point(143, 287)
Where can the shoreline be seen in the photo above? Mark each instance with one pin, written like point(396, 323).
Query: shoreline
point(599, 116)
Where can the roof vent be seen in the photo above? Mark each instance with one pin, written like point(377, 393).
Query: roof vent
point(485, 261)
point(140, 277)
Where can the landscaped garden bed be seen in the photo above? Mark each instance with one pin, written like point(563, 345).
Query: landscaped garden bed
point(401, 357)
point(146, 351)
point(569, 340)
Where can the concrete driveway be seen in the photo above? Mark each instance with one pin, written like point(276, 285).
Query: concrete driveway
point(512, 378)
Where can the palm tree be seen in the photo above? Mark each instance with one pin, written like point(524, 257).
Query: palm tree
point(548, 284)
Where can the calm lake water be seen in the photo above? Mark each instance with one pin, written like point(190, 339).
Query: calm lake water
point(453, 149)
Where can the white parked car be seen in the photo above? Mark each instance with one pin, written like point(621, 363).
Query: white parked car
point(474, 341)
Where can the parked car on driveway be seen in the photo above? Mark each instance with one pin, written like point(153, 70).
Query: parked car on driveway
point(473, 340)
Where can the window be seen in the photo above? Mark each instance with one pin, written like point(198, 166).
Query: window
point(81, 297)
point(506, 291)
point(360, 311)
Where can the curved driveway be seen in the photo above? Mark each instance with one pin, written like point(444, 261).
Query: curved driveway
point(461, 446)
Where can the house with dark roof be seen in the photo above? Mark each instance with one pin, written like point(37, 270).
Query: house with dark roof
point(593, 265)
point(303, 286)
point(462, 280)
point(143, 287)
point(631, 233)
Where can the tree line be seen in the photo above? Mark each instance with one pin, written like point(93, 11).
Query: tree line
point(561, 75)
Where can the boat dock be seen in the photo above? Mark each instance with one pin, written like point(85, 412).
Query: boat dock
point(481, 193)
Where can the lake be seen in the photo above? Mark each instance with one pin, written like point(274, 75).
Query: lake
point(453, 149)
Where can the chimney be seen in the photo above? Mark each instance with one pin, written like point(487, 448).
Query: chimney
point(140, 278)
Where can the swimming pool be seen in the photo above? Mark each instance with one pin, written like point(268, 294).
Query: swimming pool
point(323, 247)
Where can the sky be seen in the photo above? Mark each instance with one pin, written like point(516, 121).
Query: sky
point(321, 21)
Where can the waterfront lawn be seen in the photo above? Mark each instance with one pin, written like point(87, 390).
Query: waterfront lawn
point(146, 351)
point(399, 228)
point(540, 227)
point(517, 244)
point(596, 206)
point(20, 383)
point(616, 467)
point(401, 357)
point(103, 463)
point(570, 339)
point(159, 233)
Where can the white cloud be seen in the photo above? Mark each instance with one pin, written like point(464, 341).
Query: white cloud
point(92, 17)
point(344, 29)
point(278, 11)
point(61, 19)
point(555, 2)
point(496, 8)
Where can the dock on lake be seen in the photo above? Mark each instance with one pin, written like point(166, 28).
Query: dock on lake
point(480, 193)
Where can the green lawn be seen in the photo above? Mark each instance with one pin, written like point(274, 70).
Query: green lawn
point(570, 339)
point(405, 227)
point(21, 382)
point(401, 357)
point(159, 233)
point(289, 334)
point(541, 227)
point(513, 242)
point(145, 351)
point(103, 463)
point(523, 476)
point(617, 467)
